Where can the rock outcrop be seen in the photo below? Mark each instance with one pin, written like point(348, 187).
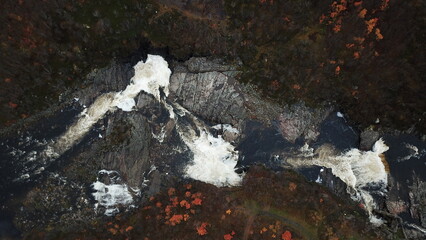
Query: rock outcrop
point(145, 149)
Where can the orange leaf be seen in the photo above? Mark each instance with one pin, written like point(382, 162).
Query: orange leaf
point(174, 201)
point(337, 28)
point(350, 45)
point(176, 219)
point(292, 186)
point(129, 228)
point(196, 195)
point(286, 235)
point(360, 40)
point(197, 201)
point(356, 4)
point(371, 24)
point(171, 191)
point(185, 204)
point(337, 71)
point(379, 36)
point(356, 55)
point(13, 105)
point(296, 87)
point(227, 236)
point(362, 13)
point(201, 230)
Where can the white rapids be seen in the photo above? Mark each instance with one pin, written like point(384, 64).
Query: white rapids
point(149, 77)
point(214, 159)
point(358, 169)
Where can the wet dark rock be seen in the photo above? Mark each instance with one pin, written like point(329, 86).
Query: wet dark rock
point(368, 138)
point(212, 95)
point(145, 149)
point(417, 196)
point(208, 88)
point(128, 144)
point(113, 78)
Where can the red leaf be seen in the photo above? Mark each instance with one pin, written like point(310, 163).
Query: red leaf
point(13, 105)
point(202, 229)
point(227, 236)
point(286, 235)
point(197, 201)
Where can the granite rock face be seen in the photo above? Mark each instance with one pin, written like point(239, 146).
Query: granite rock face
point(299, 120)
point(130, 152)
point(113, 78)
point(209, 90)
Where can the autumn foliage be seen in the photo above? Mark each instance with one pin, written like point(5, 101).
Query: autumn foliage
point(286, 235)
point(201, 230)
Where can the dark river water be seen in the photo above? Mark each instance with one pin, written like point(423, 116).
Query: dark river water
point(261, 145)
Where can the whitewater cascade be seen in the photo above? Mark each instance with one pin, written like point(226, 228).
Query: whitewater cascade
point(214, 159)
point(358, 169)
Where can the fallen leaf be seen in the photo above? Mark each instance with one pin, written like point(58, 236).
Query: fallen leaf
point(356, 55)
point(292, 186)
point(337, 71)
point(371, 24)
point(228, 211)
point(185, 204)
point(337, 28)
point(227, 236)
point(362, 13)
point(296, 87)
point(356, 4)
point(379, 36)
point(113, 231)
point(349, 45)
point(176, 219)
point(201, 230)
point(13, 105)
point(188, 194)
point(171, 191)
point(197, 201)
point(286, 235)
point(174, 201)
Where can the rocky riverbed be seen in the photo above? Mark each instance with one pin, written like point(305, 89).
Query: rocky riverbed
point(127, 158)
point(281, 127)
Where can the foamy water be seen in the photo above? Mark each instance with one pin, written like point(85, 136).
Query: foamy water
point(149, 77)
point(214, 159)
point(358, 169)
point(112, 195)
